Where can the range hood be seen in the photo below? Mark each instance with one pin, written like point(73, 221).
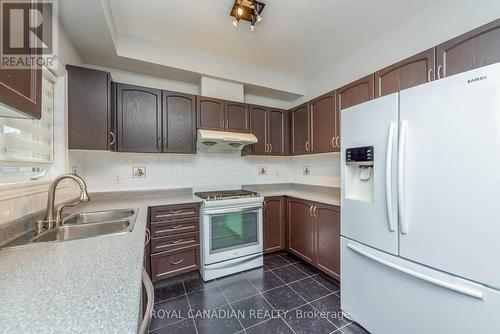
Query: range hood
point(223, 142)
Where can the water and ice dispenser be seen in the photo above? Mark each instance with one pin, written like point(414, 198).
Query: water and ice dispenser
point(359, 173)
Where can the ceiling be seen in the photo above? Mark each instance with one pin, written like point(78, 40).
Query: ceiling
point(184, 39)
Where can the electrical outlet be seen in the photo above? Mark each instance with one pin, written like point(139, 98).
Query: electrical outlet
point(262, 170)
point(118, 179)
point(306, 170)
point(139, 172)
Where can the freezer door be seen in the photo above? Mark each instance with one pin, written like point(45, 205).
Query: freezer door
point(389, 295)
point(368, 210)
point(450, 179)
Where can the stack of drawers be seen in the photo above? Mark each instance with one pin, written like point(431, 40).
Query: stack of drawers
point(175, 240)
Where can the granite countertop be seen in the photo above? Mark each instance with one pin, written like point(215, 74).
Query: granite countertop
point(85, 286)
point(320, 194)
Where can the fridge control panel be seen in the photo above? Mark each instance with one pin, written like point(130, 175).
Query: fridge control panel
point(359, 156)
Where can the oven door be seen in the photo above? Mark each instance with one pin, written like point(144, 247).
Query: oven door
point(231, 233)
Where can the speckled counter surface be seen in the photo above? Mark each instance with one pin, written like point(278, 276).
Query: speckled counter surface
point(325, 195)
point(84, 286)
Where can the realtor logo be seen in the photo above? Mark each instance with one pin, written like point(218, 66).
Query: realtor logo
point(29, 34)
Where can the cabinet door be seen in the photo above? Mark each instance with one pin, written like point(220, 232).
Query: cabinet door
point(322, 110)
point(259, 129)
point(410, 72)
point(210, 113)
point(138, 118)
point(356, 92)
point(179, 123)
point(237, 117)
point(300, 228)
point(479, 47)
point(274, 224)
point(89, 109)
point(300, 130)
point(327, 239)
point(278, 132)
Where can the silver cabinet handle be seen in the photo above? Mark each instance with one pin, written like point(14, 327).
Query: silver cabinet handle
point(222, 123)
point(270, 148)
point(227, 123)
point(174, 263)
point(307, 146)
point(175, 212)
point(333, 141)
point(112, 138)
point(264, 204)
point(266, 148)
point(440, 67)
point(150, 293)
point(310, 211)
point(429, 75)
point(174, 242)
point(148, 237)
point(337, 141)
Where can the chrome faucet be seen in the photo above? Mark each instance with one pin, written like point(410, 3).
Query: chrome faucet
point(53, 218)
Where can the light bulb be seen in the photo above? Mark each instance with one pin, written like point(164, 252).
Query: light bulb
point(252, 27)
point(240, 11)
point(257, 15)
point(235, 22)
point(259, 18)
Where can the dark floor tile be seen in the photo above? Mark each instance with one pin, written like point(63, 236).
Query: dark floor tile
point(193, 282)
point(168, 289)
point(263, 280)
point(306, 319)
point(169, 312)
point(354, 328)
point(274, 261)
point(309, 289)
point(290, 258)
point(221, 321)
point(237, 287)
point(328, 282)
point(309, 270)
point(283, 298)
point(207, 299)
point(182, 327)
point(273, 326)
point(289, 274)
point(331, 305)
point(254, 310)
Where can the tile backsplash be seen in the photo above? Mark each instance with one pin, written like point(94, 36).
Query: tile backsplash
point(110, 170)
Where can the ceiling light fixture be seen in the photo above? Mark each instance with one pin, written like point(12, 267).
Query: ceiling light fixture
point(248, 10)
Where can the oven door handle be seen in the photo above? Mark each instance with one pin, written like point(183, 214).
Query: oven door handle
point(231, 210)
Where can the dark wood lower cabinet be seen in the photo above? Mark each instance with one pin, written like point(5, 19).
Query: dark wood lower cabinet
point(274, 224)
point(175, 244)
point(327, 239)
point(300, 229)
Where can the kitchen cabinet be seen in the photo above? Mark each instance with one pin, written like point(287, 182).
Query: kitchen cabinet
point(274, 224)
point(89, 119)
point(270, 126)
point(259, 127)
point(413, 71)
point(327, 239)
point(210, 113)
point(300, 228)
point(179, 123)
point(236, 117)
point(138, 113)
point(325, 127)
point(479, 47)
point(300, 126)
point(357, 92)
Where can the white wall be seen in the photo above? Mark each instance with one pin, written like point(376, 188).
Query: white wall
point(324, 169)
point(222, 89)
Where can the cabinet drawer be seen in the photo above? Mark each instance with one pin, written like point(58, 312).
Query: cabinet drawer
point(174, 242)
point(174, 212)
point(167, 264)
point(161, 229)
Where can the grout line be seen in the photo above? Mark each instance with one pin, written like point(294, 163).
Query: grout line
point(230, 306)
point(189, 305)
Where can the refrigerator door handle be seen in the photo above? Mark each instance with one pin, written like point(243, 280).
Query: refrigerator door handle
point(460, 288)
point(388, 177)
point(401, 176)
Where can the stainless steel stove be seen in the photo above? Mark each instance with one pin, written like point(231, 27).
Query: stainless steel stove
point(231, 232)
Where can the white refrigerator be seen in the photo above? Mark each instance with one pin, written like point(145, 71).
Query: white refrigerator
point(420, 249)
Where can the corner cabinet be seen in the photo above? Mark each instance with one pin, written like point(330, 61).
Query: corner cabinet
point(299, 127)
point(139, 119)
point(179, 123)
point(357, 92)
point(92, 114)
point(300, 229)
point(274, 224)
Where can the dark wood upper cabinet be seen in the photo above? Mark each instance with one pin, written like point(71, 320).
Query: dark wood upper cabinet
point(323, 124)
point(479, 47)
point(139, 119)
point(300, 228)
point(277, 132)
point(258, 126)
point(327, 243)
point(410, 72)
point(356, 92)
point(237, 117)
point(21, 90)
point(210, 113)
point(89, 109)
point(179, 123)
point(299, 125)
point(274, 224)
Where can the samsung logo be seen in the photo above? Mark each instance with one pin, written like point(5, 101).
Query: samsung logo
point(477, 79)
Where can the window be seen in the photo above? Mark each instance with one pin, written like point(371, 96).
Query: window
point(26, 145)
